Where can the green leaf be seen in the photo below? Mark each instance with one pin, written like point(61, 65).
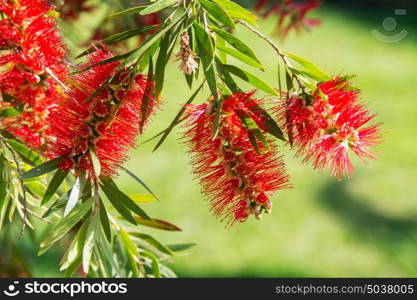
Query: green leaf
point(65, 224)
point(157, 224)
point(250, 78)
point(132, 10)
point(42, 169)
point(95, 162)
point(205, 44)
point(129, 244)
point(76, 192)
point(75, 249)
point(310, 69)
point(36, 188)
point(236, 43)
point(142, 198)
point(236, 11)
point(9, 112)
point(24, 152)
point(267, 123)
point(242, 57)
point(69, 273)
point(110, 193)
point(135, 53)
point(138, 52)
point(158, 6)
point(152, 241)
point(58, 204)
point(129, 203)
point(90, 241)
point(206, 54)
point(218, 13)
point(118, 37)
point(161, 63)
point(154, 262)
point(132, 251)
point(131, 174)
point(54, 185)
point(104, 218)
point(181, 247)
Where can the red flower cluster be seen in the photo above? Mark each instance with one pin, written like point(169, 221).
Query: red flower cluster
point(31, 50)
point(235, 177)
point(106, 123)
point(326, 125)
point(292, 14)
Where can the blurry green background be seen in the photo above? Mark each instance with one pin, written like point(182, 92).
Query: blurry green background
point(365, 226)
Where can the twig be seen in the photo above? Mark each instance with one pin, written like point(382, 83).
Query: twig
point(275, 47)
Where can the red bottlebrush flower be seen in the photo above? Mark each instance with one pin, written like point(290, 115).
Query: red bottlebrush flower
point(326, 125)
point(107, 123)
point(292, 14)
point(236, 179)
point(33, 51)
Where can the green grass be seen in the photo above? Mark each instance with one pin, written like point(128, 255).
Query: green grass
point(366, 226)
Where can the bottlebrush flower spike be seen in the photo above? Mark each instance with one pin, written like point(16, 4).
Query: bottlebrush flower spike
point(32, 50)
point(326, 125)
point(292, 14)
point(236, 179)
point(107, 124)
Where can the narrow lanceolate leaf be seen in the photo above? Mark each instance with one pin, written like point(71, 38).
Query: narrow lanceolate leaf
point(119, 206)
point(127, 241)
point(95, 162)
point(158, 6)
point(267, 123)
point(138, 52)
point(154, 263)
point(250, 78)
point(142, 198)
point(240, 56)
point(65, 224)
point(181, 247)
point(54, 186)
point(161, 62)
point(104, 218)
point(25, 153)
point(236, 43)
point(75, 249)
point(124, 199)
point(135, 53)
point(42, 169)
point(309, 68)
point(90, 241)
point(76, 192)
point(132, 10)
point(131, 174)
point(58, 204)
point(236, 11)
point(157, 224)
point(205, 43)
point(152, 241)
point(9, 112)
point(118, 37)
point(131, 251)
point(217, 13)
